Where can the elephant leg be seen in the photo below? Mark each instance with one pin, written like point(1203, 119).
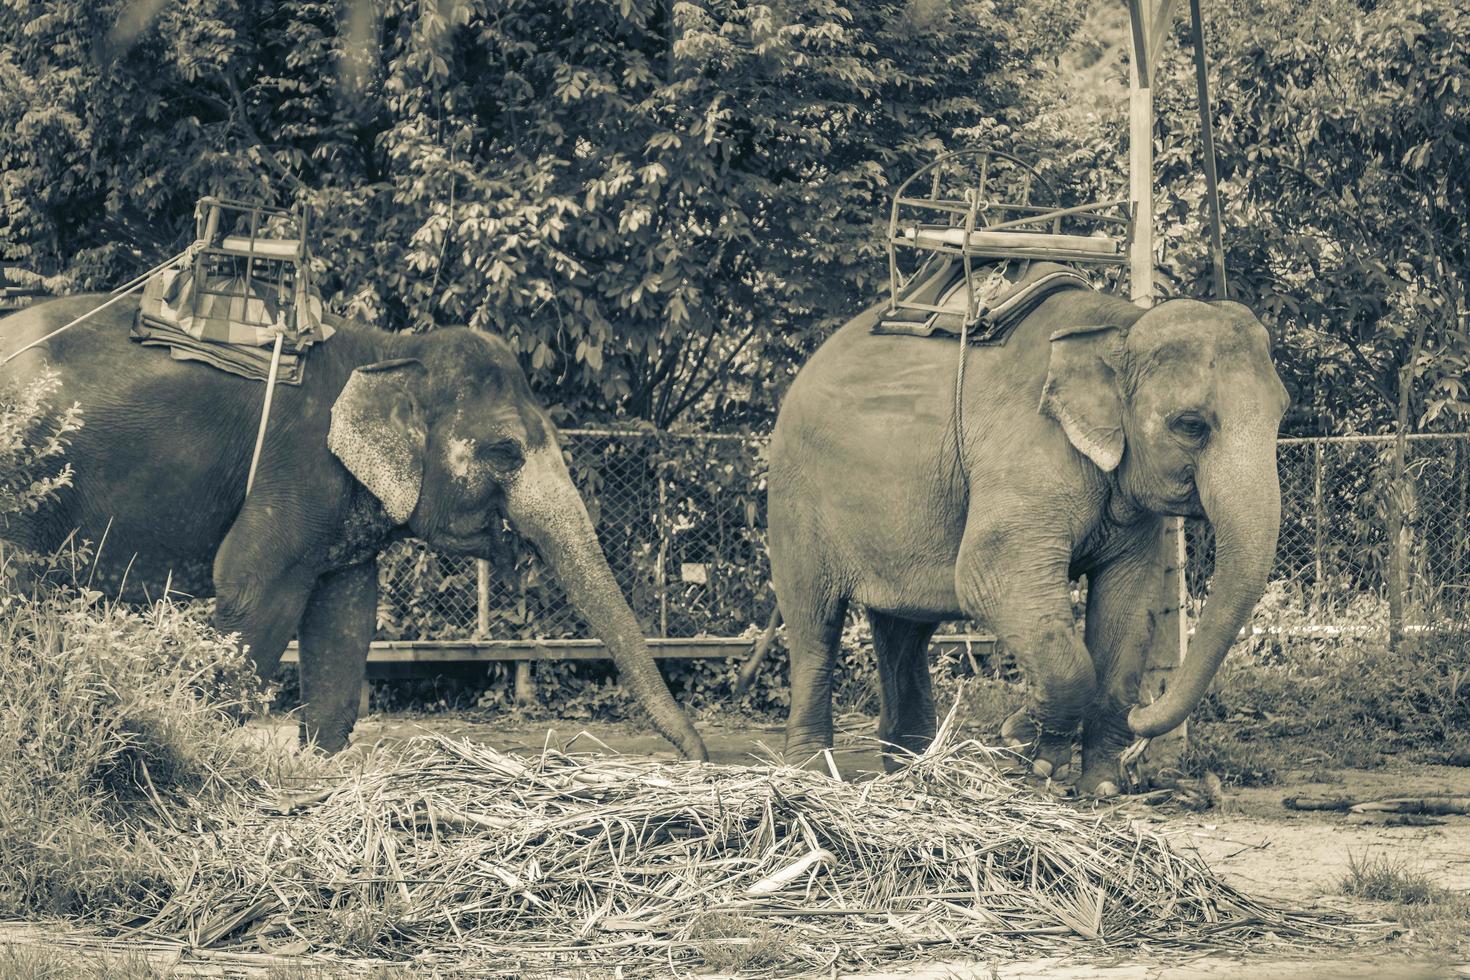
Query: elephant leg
point(906, 716)
point(1018, 585)
point(259, 594)
point(1121, 603)
point(813, 635)
point(336, 632)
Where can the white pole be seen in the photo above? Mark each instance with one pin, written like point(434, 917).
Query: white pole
point(1171, 627)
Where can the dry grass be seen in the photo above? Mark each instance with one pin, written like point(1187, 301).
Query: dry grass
point(452, 853)
point(1385, 878)
point(1440, 917)
point(32, 961)
point(114, 726)
point(130, 798)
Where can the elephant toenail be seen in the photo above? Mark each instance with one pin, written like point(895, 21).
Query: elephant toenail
point(1042, 768)
point(1106, 790)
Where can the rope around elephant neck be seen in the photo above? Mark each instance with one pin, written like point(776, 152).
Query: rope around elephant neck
point(117, 294)
point(959, 407)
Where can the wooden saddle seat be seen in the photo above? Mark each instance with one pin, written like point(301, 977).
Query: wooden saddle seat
point(1006, 243)
point(983, 204)
point(247, 281)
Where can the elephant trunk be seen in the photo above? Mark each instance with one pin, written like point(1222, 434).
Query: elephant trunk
point(1241, 494)
point(543, 504)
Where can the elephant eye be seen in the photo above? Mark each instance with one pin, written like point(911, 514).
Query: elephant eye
point(505, 455)
point(1190, 427)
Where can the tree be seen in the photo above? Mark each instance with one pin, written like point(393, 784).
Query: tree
point(662, 204)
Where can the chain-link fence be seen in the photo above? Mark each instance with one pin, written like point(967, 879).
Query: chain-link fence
point(682, 520)
point(1334, 554)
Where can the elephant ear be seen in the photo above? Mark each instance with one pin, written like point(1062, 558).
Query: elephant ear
point(379, 434)
point(1083, 394)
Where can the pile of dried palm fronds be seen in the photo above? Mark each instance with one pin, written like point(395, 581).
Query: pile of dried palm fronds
point(452, 852)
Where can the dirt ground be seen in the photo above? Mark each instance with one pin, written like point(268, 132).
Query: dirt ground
point(1253, 841)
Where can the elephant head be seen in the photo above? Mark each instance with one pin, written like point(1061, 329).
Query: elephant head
point(450, 439)
point(1182, 407)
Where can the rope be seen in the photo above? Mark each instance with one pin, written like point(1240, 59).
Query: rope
point(133, 286)
point(117, 294)
point(265, 411)
point(959, 404)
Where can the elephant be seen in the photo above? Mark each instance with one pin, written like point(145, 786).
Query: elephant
point(1060, 456)
point(388, 435)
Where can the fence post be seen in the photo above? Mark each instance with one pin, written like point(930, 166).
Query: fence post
point(524, 693)
point(660, 567)
point(1317, 545)
point(1462, 470)
point(1170, 641)
point(482, 598)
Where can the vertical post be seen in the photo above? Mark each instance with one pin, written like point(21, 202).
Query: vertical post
point(523, 692)
point(1207, 137)
point(1462, 475)
point(1171, 625)
point(482, 599)
point(1318, 532)
point(660, 568)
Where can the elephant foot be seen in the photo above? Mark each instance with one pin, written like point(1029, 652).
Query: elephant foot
point(1048, 752)
point(1099, 783)
point(1106, 752)
point(813, 758)
point(327, 741)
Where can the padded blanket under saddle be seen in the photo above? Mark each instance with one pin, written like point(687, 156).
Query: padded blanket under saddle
point(223, 331)
point(1005, 293)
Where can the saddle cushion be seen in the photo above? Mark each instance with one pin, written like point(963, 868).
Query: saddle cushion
point(225, 331)
point(1005, 293)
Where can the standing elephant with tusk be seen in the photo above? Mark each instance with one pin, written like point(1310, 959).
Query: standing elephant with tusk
point(434, 436)
point(1076, 438)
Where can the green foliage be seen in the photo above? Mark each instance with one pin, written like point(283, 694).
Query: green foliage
point(1343, 149)
point(660, 204)
point(32, 439)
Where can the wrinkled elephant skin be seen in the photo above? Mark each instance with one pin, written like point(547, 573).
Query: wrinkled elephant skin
point(1094, 422)
point(433, 436)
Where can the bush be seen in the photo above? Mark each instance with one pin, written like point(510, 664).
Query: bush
point(1343, 697)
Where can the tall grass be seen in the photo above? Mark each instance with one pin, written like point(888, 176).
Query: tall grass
point(111, 720)
point(1348, 702)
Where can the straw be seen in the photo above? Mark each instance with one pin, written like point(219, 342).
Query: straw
point(451, 853)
